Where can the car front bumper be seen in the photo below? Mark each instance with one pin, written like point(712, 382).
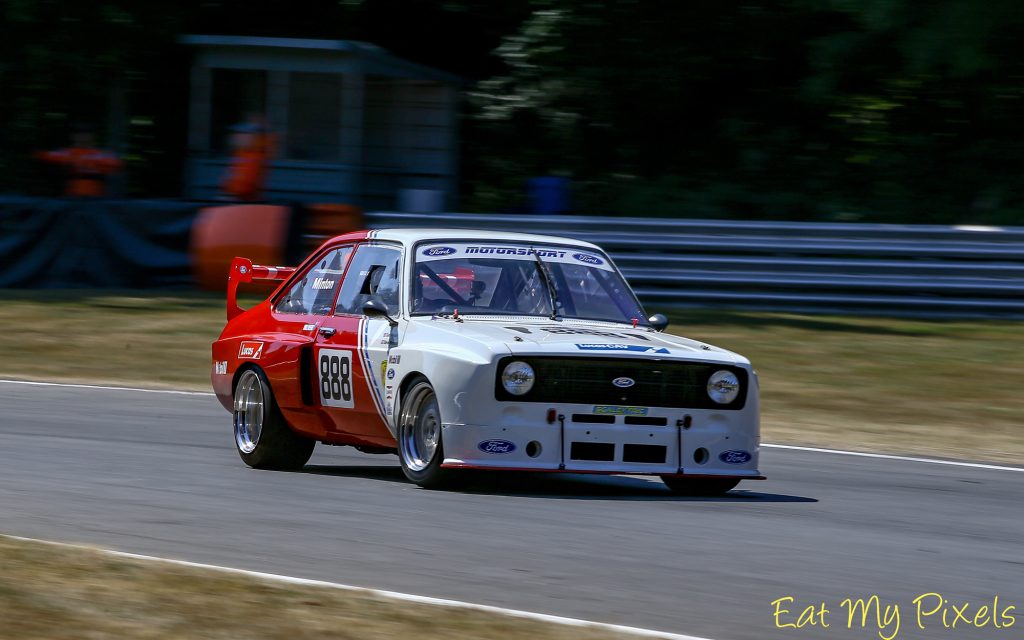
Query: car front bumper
point(691, 442)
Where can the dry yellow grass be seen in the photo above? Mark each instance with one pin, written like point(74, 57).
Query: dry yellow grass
point(133, 339)
point(57, 592)
point(909, 386)
point(948, 388)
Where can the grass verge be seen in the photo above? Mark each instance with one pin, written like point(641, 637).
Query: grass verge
point(134, 339)
point(949, 388)
point(55, 591)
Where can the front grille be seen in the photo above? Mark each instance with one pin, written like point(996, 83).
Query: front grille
point(595, 451)
point(657, 383)
point(647, 421)
point(647, 453)
point(589, 418)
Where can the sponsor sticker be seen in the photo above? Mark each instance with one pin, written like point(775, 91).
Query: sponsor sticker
point(220, 367)
point(512, 252)
point(636, 348)
point(496, 446)
point(734, 456)
point(436, 252)
point(323, 283)
point(394, 359)
point(334, 367)
point(309, 327)
point(568, 331)
point(589, 259)
point(250, 349)
point(391, 374)
point(617, 410)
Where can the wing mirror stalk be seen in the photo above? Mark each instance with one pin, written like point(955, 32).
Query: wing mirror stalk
point(376, 309)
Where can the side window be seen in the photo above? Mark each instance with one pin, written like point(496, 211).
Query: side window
point(375, 272)
point(314, 292)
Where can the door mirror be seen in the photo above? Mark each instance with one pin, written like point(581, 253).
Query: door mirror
point(375, 308)
point(658, 321)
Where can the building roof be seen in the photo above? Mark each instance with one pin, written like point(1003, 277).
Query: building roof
point(383, 60)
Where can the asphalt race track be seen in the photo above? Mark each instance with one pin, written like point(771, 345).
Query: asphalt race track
point(157, 474)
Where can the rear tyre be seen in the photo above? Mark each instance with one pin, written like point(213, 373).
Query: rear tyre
point(262, 437)
point(420, 449)
point(699, 486)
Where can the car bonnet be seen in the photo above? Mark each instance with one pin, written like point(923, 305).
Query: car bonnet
point(595, 339)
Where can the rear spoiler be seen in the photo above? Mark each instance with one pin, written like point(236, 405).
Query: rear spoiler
point(243, 270)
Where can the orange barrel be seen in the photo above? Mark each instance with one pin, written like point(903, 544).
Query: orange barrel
point(255, 231)
point(326, 220)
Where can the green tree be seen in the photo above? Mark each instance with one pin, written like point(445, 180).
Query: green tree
point(787, 109)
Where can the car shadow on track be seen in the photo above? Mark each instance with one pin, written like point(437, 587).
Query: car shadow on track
point(387, 473)
point(594, 487)
point(564, 487)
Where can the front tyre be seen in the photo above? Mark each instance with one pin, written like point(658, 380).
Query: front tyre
point(262, 437)
point(419, 437)
point(699, 486)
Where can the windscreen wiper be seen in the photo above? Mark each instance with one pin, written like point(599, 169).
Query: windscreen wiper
point(545, 275)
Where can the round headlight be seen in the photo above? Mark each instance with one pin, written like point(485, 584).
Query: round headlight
point(723, 386)
point(517, 378)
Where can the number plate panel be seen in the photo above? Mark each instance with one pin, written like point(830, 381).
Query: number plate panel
point(334, 374)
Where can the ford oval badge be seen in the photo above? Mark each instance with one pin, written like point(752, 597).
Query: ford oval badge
point(623, 382)
point(589, 259)
point(496, 446)
point(734, 457)
point(439, 251)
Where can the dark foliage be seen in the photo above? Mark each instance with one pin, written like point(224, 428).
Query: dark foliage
point(889, 110)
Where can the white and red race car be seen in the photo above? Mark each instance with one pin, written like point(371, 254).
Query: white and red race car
point(521, 352)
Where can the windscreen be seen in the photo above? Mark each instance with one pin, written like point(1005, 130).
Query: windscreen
point(507, 279)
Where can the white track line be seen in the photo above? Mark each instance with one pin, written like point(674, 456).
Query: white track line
point(391, 595)
point(885, 456)
point(859, 454)
point(176, 392)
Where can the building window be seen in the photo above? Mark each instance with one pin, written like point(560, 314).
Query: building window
point(238, 97)
point(314, 116)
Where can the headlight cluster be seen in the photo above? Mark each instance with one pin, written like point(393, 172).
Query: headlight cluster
point(517, 378)
point(723, 386)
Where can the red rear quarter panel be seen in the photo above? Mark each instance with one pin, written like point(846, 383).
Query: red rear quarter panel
point(278, 353)
point(227, 348)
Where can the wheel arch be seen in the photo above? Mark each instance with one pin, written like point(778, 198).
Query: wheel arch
point(276, 445)
point(420, 448)
point(275, 402)
point(245, 366)
point(407, 381)
point(464, 386)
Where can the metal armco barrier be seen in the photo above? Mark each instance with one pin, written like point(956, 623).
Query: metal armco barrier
point(859, 268)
